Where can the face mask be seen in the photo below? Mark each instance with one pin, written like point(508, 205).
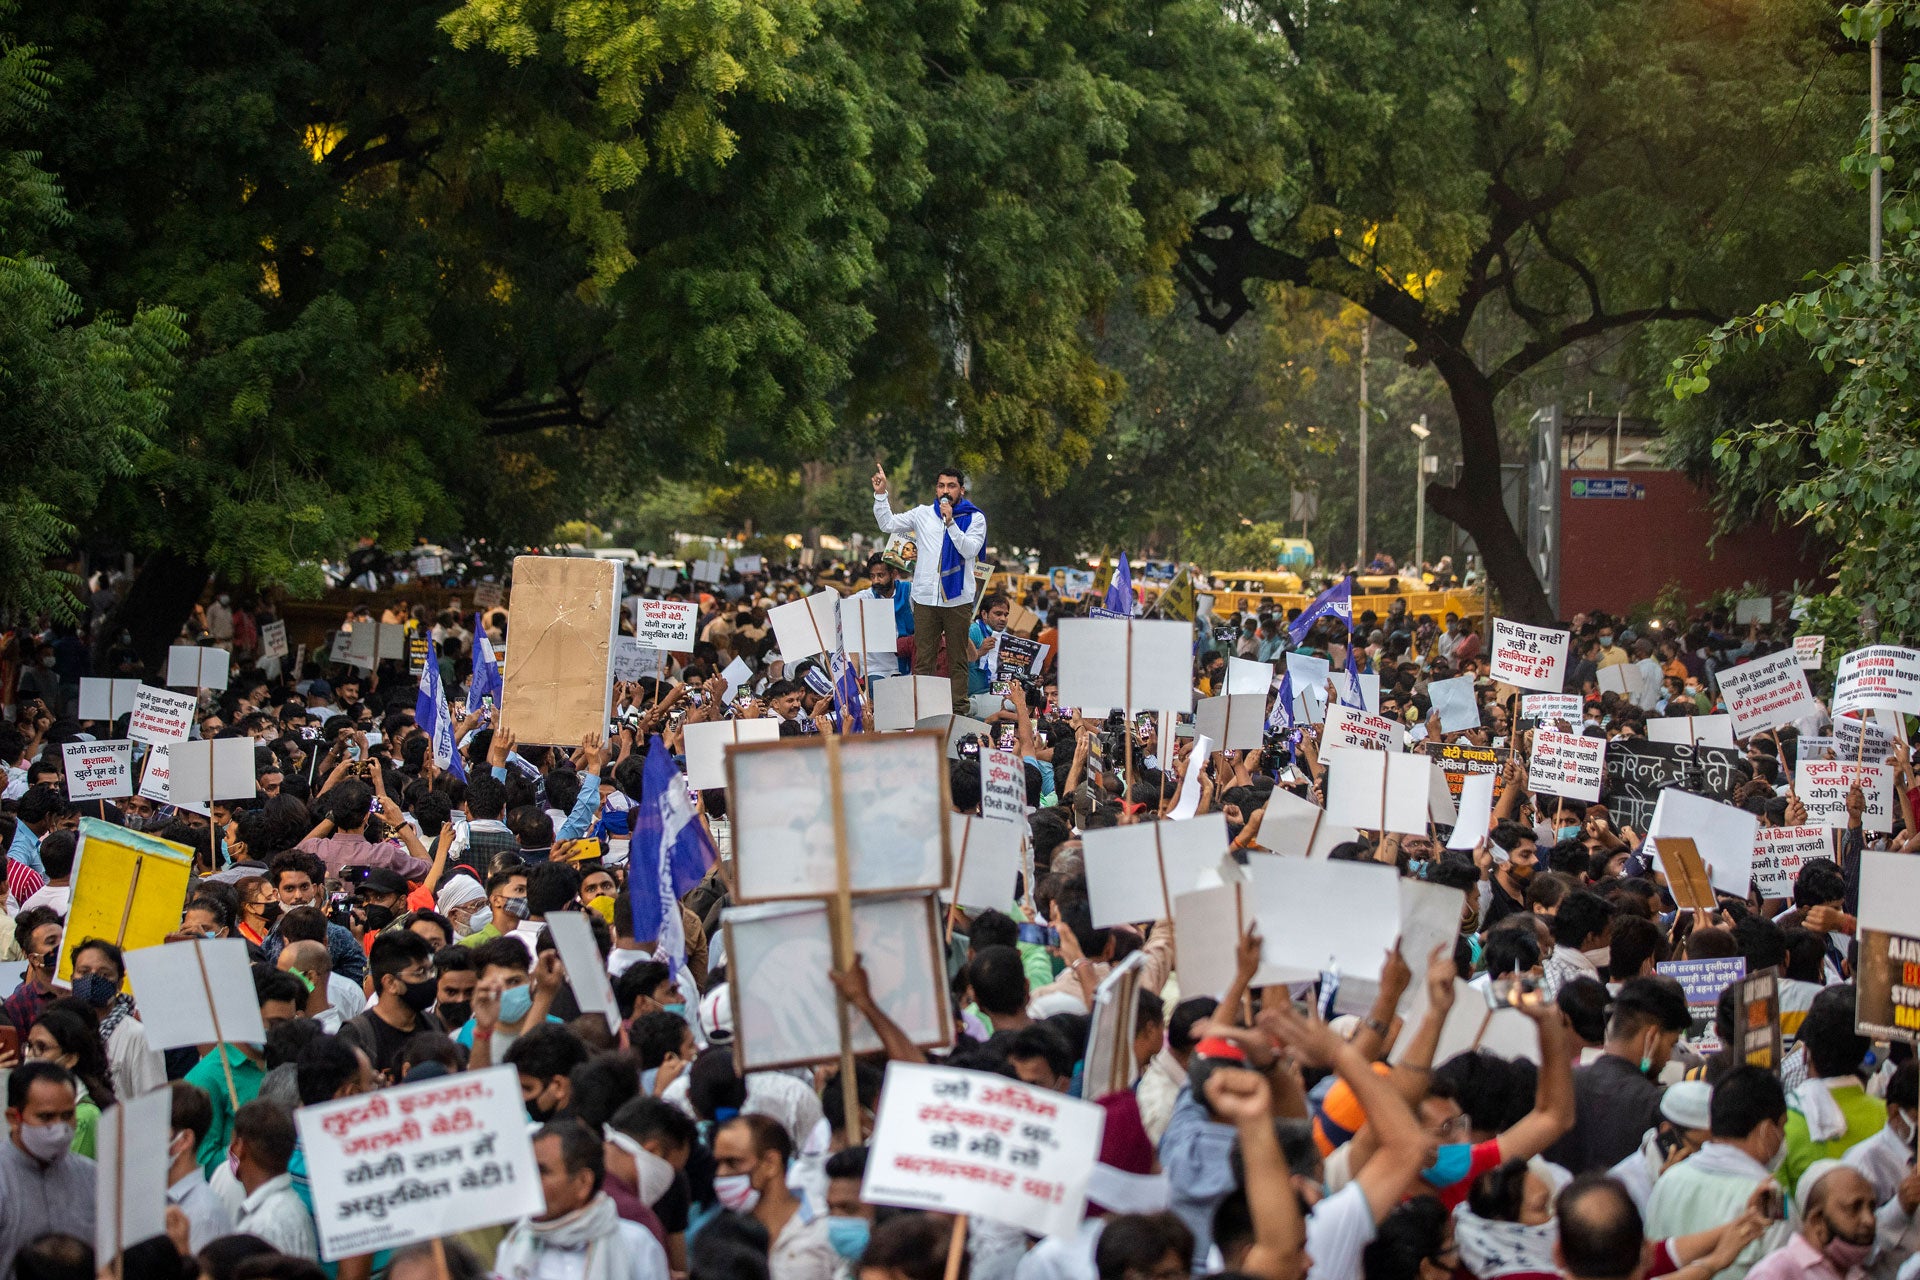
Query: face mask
point(677, 1010)
point(233, 1163)
point(1567, 833)
point(652, 1175)
point(379, 918)
point(540, 1111)
point(480, 920)
point(47, 662)
point(1451, 1164)
point(848, 1236)
point(516, 1004)
point(1606, 642)
point(736, 1192)
point(517, 908)
point(454, 1013)
point(418, 996)
point(1844, 1254)
point(95, 990)
point(647, 1078)
point(1600, 957)
point(46, 1142)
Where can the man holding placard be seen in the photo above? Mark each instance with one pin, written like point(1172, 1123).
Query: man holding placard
point(950, 533)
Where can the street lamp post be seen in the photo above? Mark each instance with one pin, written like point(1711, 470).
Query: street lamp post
point(1366, 346)
point(1420, 434)
point(1873, 148)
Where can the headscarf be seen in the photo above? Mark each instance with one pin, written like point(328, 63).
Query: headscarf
point(458, 891)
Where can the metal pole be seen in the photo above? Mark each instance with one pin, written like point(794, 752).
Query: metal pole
point(1366, 348)
point(1873, 147)
point(1420, 498)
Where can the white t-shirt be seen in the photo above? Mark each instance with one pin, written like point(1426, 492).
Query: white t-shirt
point(1338, 1231)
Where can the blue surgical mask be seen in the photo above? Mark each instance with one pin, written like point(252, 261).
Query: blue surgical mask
point(1569, 833)
point(516, 1003)
point(1450, 1166)
point(848, 1236)
point(677, 1010)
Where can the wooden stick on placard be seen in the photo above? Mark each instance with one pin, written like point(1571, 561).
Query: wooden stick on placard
point(959, 874)
point(1239, 936)
point(126, 908)
point(1485, 1021)
point(440, 1260)
point(213, 1012)
point(1126, 779)
point(119, 1189)
point(956, 1247)
point(841, 916)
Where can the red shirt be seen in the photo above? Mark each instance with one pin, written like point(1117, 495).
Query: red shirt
point(1486, 1155)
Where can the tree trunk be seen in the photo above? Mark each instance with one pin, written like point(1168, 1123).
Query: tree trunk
point(1475, 503)
point(158, 602)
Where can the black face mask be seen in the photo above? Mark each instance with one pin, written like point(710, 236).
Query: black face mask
point(418, 996)
point(454, 1013)
point(378, 918)
point(540, 1110)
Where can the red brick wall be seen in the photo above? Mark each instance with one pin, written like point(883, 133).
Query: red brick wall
point(1619, 552)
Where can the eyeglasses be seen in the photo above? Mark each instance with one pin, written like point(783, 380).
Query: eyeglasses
point(1451, 1127)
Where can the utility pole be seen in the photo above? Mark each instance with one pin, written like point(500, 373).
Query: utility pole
point(1366, 348)
point(1420, 434)
point(1873, 148)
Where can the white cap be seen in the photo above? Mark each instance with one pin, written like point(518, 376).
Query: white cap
point(1688, 1104)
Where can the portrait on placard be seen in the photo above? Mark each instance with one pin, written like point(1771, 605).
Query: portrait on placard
point(778, 958)
point(893, 794)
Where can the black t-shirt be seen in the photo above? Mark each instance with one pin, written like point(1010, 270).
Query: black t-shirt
point(381, 1041)
point(1500, 905)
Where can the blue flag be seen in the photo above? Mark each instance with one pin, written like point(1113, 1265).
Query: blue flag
point(486, 672)
point(1120, 590)
point(431, 713)
point(1336, 600)
point(670, 851)
point(1281, 716)
point(1354, 698)
point(846, 692)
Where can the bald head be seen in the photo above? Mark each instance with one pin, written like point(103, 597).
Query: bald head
point(1839, 1186)
point(310, 958)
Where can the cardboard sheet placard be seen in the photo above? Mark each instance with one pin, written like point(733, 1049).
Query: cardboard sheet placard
point(1687, 877)
point(558, 674)
point(193, 666)
point(128, 887)
point(98, 770)
point(806, 626)
point(1705, 731)
point(1133, 664)
point(1297, 826)
point(1780, 852)
point(130, 1190)
point(1475, 815)
point(1455, 703)
point(201, 772)
point(1571, 765)
point(586, 970)
point(197, 992)
point(902, 702)
point(1723, 833)
point(986, 861)
point(662, 577)
point(1134, 873)
point(778, 958)
point(665, 624)
point(160, 715)
point(1811, 651)
point(1766, 693)
point(1623, 679)
point(1346, 727)
point(1234, 721)
point(1822, 786)
point(1529, 657)
point(1378, 790)
point(106, 699)
point(1247, 676)
point(893, 790)
point(273, 639)
point(867, 626)
point(707, 742)
point(1110, 1067)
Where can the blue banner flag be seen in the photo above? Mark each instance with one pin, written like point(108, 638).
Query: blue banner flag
point(670, 851)
point(435, 718)
point(1336, 600)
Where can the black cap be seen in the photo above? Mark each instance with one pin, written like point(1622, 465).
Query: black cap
point(384, 880)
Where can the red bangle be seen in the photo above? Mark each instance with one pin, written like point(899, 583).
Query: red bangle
point(483, 1033)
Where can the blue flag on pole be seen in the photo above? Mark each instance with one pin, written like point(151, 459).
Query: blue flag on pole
point(486, 672)
point(1120, 590)
point(1354, 698)
point(1336, 600)
point(1281, 717)
point(435, 718)
point(846, 692)
point(670, 850)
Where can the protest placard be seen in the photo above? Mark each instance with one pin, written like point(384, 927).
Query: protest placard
point(746, 564)
point(884, 804)
point(1134, 873)
point(1759, 1020)
point(130, 1184)
point(1706, 731)
point(340, 649)
point(1475, 815)
point(1529, 657)
point(1638, 771)
point(160, 715)
point(428, 568)
point(273, 639)
point(192, 666)
point(1234, 721)
point(633, 660)
point(586, 971)
point(489, 595)
point(1753, 609)
point(1458, 762)
point(1429, 920)
point(1687, 876)
point(1880, 677)
point(1019, 656)
point(867, 626)
point(1702, 981)
point(418, 1162)
point(967, 1142)
point(98, 770)
point(1348, 727)
point(1723, 833)
point(662, 577)
point(986, 860)
point(1297, 826)
point(707, 742)
point(1868, 737)
point(1247, 676)
point(709, 571)
point(1570, 765)
point(1455, 703)
point(196, 992)
point(805, 626)
point(665, 624)
point(1308, 676)
point(1136, 665)
point(1003, 786)
point(1622, 678)
point(1378, 790)
point(128, 887)
point(1887, 977)
point(1822, 786)
point(1778, 853)
point(202, 771)
point(1316, 914)
point(1109, 1065)
point(1817, 748)
point(153, 771)
point(956, 731)
point(558, 672)
point(417, 654)
point(901, 702)
point(784, 1005)
point(1811, 651)
point(1766, 693)
point(1471, 1025)
point(107, 699)
point(1546, 708)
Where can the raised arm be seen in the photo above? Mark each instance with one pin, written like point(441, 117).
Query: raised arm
point(852, 986)
point(1279, 1232)
point(883, 514)
point(1552, 1113)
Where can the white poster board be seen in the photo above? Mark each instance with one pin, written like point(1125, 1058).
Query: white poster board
point(1233, 721)
point(202, 771)
point(867, 625)
point(1247, 676)
point(106, 699)
point(1476, 811)
point(665, 624)
point(1822, 786)
point(1455, 703)
point(197, 992)
point(902, 702)
point(707, 742)
point(954, 1141)
point(630, 660)
point(986, 860)
point(1378, 791)
point(1723, 833)
point(586, 970)
point(1545, 708)
point(1779, 853)
point(746, 564)
point(805, 626)
point(1889, 892)
point(419, 1161)
point(273, 639)
point(1315, 912)
point(1811, 651)
point(1347, 727)
point(160, 715)
point(1529, 657)
point(130, 1187)
point(1134, 873)
point(1570, 765)
point(192, 666)
point(98, 770)
point(1766, 693)
point(1132, 664)
point(1753, 609)
point(1003, 786)
point(1297, 826)
point(1706, 731)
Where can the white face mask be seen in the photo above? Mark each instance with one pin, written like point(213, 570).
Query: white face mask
point(736, 1191)
point(652, 1175)
point(1600, 957)
point(46, 1143)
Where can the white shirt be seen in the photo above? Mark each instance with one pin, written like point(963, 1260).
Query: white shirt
point(53, 895)
point(207, 1218)
point(136, 1065)
point(801, 1252)
point(1338, 1231)
point(1064, 1257)
point(648, 1259)
point(345, 995)
point(274, 1213)
point(929, 536)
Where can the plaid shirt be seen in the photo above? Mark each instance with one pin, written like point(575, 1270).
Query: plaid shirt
point(24, 1007)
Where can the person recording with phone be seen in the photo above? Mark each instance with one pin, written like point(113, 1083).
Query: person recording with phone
point(950, 533)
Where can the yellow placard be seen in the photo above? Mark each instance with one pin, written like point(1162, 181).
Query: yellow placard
point(128, 888)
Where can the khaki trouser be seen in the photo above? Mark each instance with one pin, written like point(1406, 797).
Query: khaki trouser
point(930, 623)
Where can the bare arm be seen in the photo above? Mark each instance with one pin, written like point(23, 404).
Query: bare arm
point(1279, 1232)
point(1552, 1113)
point(852, 985)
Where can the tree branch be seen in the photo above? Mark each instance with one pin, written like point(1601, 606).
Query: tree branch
point(1594, 325)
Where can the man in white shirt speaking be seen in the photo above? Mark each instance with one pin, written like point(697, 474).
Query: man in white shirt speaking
point(949, 534)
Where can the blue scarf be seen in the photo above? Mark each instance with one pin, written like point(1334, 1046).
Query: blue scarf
point(953, 566)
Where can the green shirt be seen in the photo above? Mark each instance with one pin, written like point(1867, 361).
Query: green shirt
point(247, 1075)
point(1865, 1116)
point(86, 1125)
point(481, 936)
